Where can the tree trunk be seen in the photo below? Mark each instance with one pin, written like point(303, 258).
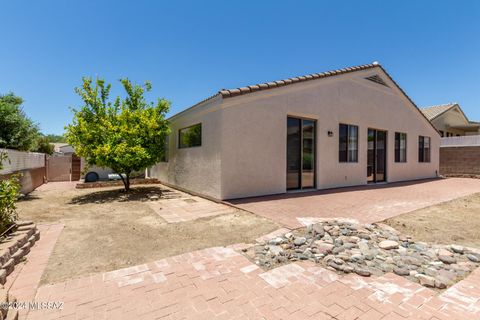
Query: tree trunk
point(126, 181)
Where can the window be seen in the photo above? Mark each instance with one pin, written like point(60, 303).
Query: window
point(423, 149)
point(190, 136)
point(348, 143)
point(400, 147)
point(442, 134)
point(164, 157)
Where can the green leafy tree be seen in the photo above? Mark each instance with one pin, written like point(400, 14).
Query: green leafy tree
point(126, 135)
point(44, 145)
point(9, 192)
point(17, 131)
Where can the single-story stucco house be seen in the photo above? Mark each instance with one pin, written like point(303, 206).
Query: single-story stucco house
point(450, 120)
point(340, 128)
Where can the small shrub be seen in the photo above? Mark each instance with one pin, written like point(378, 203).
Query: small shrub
point(9, 192)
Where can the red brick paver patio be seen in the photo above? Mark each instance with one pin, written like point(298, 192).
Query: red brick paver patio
point(366, 204)
point(219, 283)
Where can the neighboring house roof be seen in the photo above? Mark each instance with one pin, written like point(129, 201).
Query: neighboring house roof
point(433, 112)
point(227, 93)
point(67, 149)
point(58, 145)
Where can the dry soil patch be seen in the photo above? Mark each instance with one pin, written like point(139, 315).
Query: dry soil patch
point(456, 221)
point(105, 231)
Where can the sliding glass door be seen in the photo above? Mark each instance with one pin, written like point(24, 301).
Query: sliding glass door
point(376, 155)
point(300, 153)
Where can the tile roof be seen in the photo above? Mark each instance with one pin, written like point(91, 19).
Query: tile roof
point(280, 83)
point(434, 111)
point(227, 93)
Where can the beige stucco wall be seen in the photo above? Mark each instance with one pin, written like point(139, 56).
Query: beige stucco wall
point(243, 150)
point(198, 168)
point(254, 135)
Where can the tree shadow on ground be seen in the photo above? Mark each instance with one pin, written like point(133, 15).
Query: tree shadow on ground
point(139, 194)
point(28, 197)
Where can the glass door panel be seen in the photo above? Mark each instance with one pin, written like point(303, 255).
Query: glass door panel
point(308, 154)
point(371, 156)
point(381, 146)
point(300, 153)
point(293, 153)
point(376, 155)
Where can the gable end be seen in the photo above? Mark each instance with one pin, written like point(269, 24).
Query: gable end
point(377, 79)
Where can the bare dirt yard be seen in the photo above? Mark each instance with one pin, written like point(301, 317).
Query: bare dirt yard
point(105, 230)
point(456, 221)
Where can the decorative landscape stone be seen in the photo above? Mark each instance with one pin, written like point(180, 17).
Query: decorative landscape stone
point(426, 281)
point(388, 244)
point(24, 223)
point(447, 259)
point(9, 266)
point(17, 256)
point(5, 255)
point(15, 247)
point(346, 247)
point(473, 258)
point(456, 248)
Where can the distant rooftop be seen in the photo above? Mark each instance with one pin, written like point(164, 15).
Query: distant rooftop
point(434, 111)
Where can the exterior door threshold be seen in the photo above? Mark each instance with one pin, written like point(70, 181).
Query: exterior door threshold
point(302, 190)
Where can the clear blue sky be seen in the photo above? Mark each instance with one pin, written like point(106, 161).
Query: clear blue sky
point(191, 49)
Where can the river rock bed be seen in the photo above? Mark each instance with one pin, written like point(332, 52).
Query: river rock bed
point(366, 249)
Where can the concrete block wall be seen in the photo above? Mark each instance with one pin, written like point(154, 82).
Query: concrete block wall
point(460, 160)
point(30, 179)
point(21, 160)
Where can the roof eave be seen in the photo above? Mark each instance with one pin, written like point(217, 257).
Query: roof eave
point(228, 93)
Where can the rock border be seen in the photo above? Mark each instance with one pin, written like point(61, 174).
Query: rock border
point(16, 246)
point(344, 246)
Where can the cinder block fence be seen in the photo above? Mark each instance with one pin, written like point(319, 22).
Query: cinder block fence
point(460, 156)
point(30, 166)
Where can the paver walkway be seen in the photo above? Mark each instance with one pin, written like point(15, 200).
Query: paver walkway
point(219, 283)
point(366, 204)
point(177, 206)
point(24, 280)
